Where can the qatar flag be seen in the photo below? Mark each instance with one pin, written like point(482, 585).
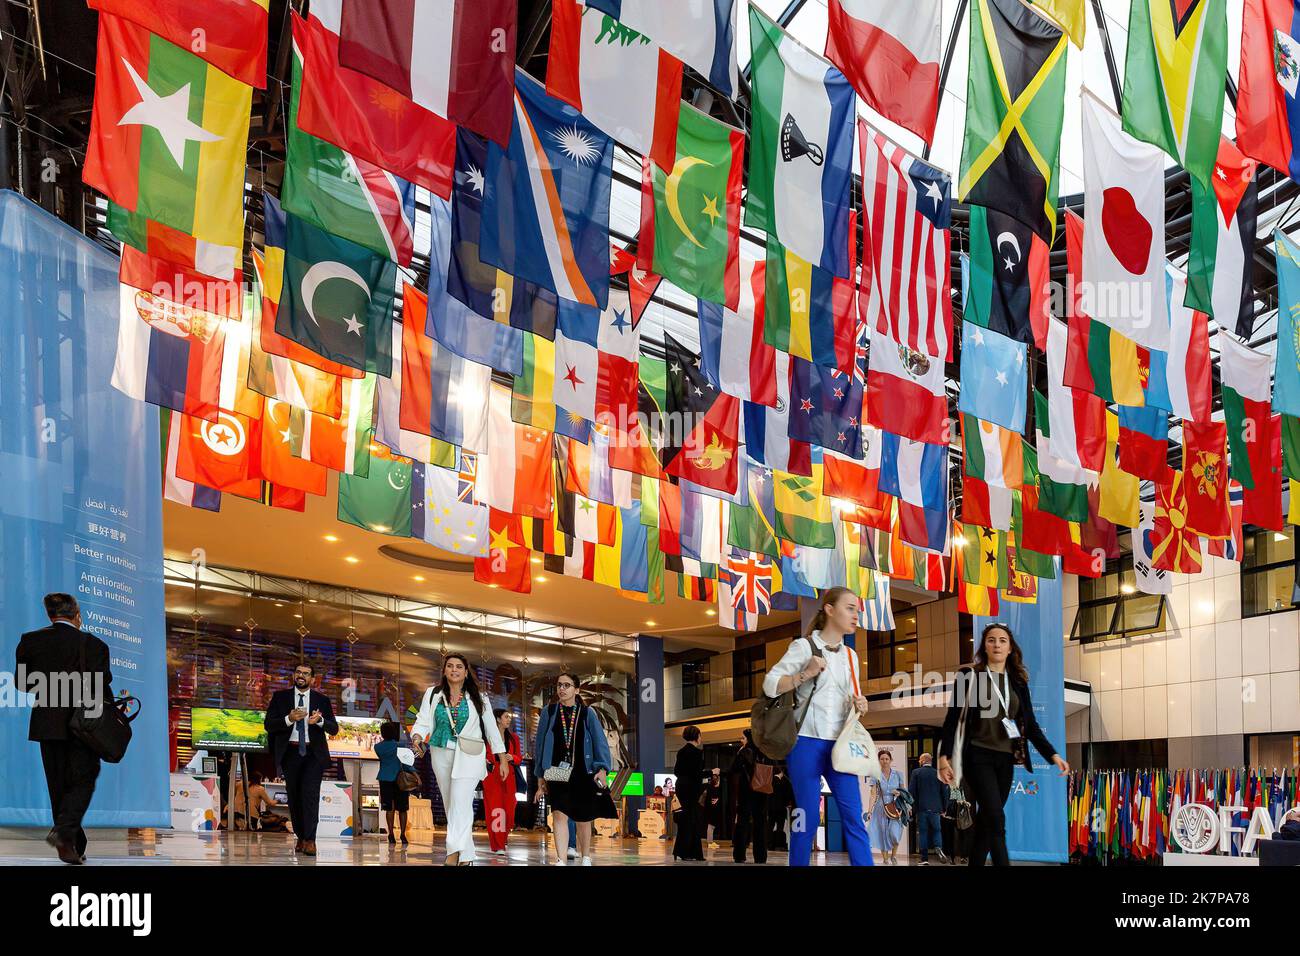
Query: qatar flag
point(1124, 244)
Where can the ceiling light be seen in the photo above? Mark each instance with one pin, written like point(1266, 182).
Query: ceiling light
point(649, 623)
point(536, 560)
point(298, 616)
point(493, 585)
point(711, 613)
point(417, 577)
point(1279, 537)
point(1126, 589)
point(541, 579)
point(352, 560)
point(331, 538)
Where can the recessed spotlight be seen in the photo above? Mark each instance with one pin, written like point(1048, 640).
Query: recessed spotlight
point(417, 577)
point(298, 616)
point(331, 538)
point(649, 623)
point(711, 613)
point(350, 559)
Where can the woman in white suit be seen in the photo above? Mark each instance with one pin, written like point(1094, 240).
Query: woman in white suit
point(456, 724)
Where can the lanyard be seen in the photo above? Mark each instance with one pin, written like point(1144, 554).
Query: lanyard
point(997, 689)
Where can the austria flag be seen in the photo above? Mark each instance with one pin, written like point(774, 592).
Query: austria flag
point(1267, 111)
point(889, 51)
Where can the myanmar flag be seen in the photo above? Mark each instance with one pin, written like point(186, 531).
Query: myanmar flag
point(690, 215)
point(169, 134)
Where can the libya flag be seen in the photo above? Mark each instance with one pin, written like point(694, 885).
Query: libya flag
point(381, 500)
point(337, 299)
point(1008, 277)
point(1015, 107)
point(690, 215)
point(169, 134)
point(342, 193)
point(1175, 72)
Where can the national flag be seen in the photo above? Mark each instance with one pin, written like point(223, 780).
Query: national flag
point(1078, 427)
point(545, 213)
point(877, 613)
point(703, 35)
point(736, 358)
point(767, 427)
point(1267, 83)
point(801, 147)
point(849, 480)
point(690, 209)
point(443, 395)
point(590, 474)
point(517, 475)
point(443, 510)
point(1149, 579)
point(1015, 108)
point(907, 222)
point(223, 454)
point(344, 194)
point(169, 134)
point(994, 377)
point(1187, 365)
point(701, 528)
point(972, 598)
point(1221, 261)
point(180, 285)
point(586, 520)
point(464, 68)
point(992, 453)
point(363, 116)
point(803, 512)
point(906, 392)
point(622, 81)
point(596, 360)
point(825, 408)
point(1232, 547)
point(1118, 498)
point(337, 298)
point(1008, 277)
point(641, 284)
point(168, 355)
point(163, 242)
point(343, 443)
point(986, 505)
point(1291, 446)
point(1205, 470)
point(275, 376)
point(808, 312)
point(284, 458)
point(1062, 485)
point(1175, 73)
point(1067, 14)
point(1286, 369)
point(984, 557)
point(1262, 504)
point(443, 417)
point(1245, 379)
point(890, 53)
point(753, 526)
point(1124, 243)
point(176, 488)
point(703, 423)
point(509, 561)
point(1174, 546)
point(1144, 442)
point(381, 500)
point(916, 473)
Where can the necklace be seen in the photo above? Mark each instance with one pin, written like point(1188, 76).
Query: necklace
point(454, 710)
point(568, 725)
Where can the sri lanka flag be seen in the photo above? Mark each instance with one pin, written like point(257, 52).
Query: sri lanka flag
point(546, 198)
point(1267, 113)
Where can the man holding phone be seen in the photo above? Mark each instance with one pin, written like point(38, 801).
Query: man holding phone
point(299, 720)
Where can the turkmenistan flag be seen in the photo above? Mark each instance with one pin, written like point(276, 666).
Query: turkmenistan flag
point(169, 134)
point(343, 194)
point(803, 513)
point(337, 298)
point(1015, 107)
point(381, 500)
point(1175, 72)
point(690, 215)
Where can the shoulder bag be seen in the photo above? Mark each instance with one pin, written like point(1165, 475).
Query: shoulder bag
point(407, 781)
point(854, 751)
point(108, 734)
point(560, 772)
point(471, 746)
point(772, 720)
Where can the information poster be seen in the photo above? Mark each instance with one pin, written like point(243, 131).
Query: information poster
point(196, 802)
point(335, 819)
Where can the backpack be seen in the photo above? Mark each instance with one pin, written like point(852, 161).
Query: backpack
point(773, 722)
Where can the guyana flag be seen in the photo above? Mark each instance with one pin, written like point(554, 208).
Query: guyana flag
point(1175, 72)
point(690, 215)
point(169, 134)
point(1015, 106)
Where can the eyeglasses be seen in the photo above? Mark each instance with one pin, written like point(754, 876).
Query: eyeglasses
point(563, 686)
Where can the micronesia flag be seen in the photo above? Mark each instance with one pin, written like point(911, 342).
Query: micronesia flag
point(700, 33)
point(994, 377)
point(546, 203)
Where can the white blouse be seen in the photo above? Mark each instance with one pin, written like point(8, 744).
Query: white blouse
point(833, 700)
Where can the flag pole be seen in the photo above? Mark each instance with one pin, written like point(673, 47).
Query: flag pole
point(1110, 55)
point(947, 63)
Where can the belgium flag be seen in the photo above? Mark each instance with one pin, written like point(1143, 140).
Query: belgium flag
point(1015, 106)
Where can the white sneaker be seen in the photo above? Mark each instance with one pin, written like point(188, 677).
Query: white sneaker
point(586, 861)
point(501, 852)
point(561, 862)
point(572, 854)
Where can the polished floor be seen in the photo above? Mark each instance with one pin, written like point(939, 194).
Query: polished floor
point(26, 847)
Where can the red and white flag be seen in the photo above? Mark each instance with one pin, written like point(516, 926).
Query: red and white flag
point(890, 52)
point(464, 68)
point(907, 216)
point(1078, 417)
point(905, 391)
point(1188, 370)
point(516, 474)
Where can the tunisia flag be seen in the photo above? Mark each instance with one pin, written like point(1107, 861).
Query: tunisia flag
point(1205, 464)
point(224, 454)
point(1124, 242)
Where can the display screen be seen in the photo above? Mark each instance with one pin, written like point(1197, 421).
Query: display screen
point(225, 728)
point(635, 785)
point(357, 737)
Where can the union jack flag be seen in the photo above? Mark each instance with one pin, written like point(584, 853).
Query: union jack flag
point(751, 581)
point(465, 477)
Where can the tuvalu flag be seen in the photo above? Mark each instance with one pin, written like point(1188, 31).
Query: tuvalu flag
point(169, 134)
point(1015, 109)
point(690, 214)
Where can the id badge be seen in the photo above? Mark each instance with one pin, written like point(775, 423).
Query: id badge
point(564, 765)
point(1012, 730)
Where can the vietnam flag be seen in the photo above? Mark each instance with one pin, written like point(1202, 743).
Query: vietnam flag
point(222, 454)
point(519, 475)
point(1205, 464)
point(509, 560)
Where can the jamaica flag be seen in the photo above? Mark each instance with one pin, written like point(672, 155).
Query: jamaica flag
point(1015, 106)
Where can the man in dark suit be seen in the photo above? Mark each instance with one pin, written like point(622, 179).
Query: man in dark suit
point(298, 720)
point(49, 667)
point(930, 795)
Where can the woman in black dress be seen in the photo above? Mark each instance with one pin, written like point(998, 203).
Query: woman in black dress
point(572, 762)
point(689, 771)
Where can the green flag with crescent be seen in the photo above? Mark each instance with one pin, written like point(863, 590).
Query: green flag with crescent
point(380, 500)
point(337, 299)
point(690, 215)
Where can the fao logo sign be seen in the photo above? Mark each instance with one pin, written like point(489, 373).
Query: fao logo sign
point(1195, 828)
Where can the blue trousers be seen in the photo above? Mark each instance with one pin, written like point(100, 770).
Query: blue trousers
point(929, 832)
point(808, 763)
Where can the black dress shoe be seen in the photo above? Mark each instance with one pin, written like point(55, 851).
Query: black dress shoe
point(68, 854)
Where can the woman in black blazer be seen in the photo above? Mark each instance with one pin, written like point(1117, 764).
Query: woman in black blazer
point(689, 771)
point(984, 736)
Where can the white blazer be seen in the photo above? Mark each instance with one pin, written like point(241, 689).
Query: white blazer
point(463, 764)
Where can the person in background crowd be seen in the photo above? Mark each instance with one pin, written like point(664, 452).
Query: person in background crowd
point(252, 803)
point(984, 736)
point(689, 771)
point(47, 656)
point(823, 672)
point(572, 760)
point(499, 793)
point(299, 722)
point(713, 808)
point(456, 723)
point(391, 799)
point(931, 796)
point(886, 830)
point(750, 771)
point(779, 805)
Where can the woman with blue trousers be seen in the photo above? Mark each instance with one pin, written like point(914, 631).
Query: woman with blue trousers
point(823, 672)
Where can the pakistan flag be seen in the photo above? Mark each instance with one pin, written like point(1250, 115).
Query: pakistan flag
point(690, 215)
point(337, 299)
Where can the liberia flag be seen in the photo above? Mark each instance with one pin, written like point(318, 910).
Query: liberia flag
point(907, 215)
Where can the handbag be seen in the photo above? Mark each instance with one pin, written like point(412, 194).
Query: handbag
point(407, 781)
point(760, 780)
point(561, 772)
point(773, 722)
point(958, 809)
point(854, 751)
point(107, 734)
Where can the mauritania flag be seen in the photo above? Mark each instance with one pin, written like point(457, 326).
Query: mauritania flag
point(801, 155)
point(1174, 78)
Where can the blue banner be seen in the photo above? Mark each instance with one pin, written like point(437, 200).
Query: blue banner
point(81, 510)
point(1037, 818)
